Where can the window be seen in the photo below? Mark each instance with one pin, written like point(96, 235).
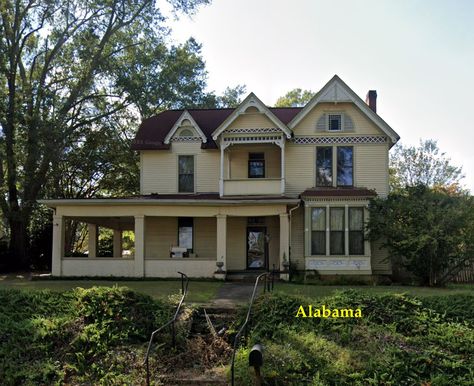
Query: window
point(318, 231)
point(185, 233)
point(356, 231)
point(336, 236)
point(256, 165)
point(186, 174)
point(334, 122)
point(324, 166)
point(344, 166)
point(185, 133)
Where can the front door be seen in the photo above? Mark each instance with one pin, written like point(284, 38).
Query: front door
point(256, 248)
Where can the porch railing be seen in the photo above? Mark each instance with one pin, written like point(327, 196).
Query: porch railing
point(171, 322)
point(268, 285)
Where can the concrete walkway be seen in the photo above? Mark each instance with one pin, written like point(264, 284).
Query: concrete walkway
point(232, 294)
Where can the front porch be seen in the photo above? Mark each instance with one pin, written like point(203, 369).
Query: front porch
point(215, 239)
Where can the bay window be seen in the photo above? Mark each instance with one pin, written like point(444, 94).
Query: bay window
point(356, 231)
point(336, 235)
point(318, 231)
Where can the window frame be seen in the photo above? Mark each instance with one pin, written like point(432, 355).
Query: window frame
point(188, 220)
point(193, 174)
point(343, 231)
point(341, 121)
point(331, 183)
point(324, 231)
point(360, 231)
point(262, 160)
point(337, 167)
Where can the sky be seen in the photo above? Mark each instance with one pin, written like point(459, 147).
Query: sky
point(418, 55)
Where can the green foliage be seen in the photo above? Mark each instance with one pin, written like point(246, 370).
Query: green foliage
point(457, 308)
point(93, 336)
point(398, 341)
point(428, 231)
point(423, 165)
point(295, 98)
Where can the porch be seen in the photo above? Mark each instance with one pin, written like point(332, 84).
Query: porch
point(215, 239)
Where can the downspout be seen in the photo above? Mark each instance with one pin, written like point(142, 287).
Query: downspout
point(290, 213)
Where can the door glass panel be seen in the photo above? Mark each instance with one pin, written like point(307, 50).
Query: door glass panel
point(255, 249)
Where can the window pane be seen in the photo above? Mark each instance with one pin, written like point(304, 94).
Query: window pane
point(356, 219)
point(356, 243)
point(323, 166)
point(337, 219)
point(318, 219)
point(186, 173)
point(318, 243)
point(344, 166)
point(334, 122)
point(337, 243)
point(256, 169)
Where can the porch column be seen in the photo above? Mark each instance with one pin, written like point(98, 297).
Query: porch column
point(117, 243)
point(221, 179)
point(222, 240)
point(58, 245)
point(92, 229)
point(139, 246)
point(282, 147)
point(284, 243)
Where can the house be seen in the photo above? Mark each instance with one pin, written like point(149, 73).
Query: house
point(245, 189)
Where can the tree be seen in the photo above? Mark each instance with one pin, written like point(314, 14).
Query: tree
point(58, 62)
point(429, 231)
point(295, 98)
point(425, 165)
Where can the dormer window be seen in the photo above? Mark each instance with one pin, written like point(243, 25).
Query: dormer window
point(186, 133)
point(334, 122)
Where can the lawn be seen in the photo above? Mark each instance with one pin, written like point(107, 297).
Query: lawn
point(198, 291)
point(318, 291)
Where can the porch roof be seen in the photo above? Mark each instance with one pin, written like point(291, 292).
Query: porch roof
point(174, 199)
point(338, 192)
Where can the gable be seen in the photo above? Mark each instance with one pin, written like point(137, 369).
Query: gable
point(255, 113)
point(185, 129)
point(336, 92)
point(354, 121)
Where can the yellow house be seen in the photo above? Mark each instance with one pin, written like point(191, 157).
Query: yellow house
point(253, 188)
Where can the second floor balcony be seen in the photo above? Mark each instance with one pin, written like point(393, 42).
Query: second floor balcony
point(253, 170)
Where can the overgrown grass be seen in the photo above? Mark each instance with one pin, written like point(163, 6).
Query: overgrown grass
point(400, 340)
point(84, 336)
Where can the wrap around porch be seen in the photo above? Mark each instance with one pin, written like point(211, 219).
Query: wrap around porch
point(200, 241)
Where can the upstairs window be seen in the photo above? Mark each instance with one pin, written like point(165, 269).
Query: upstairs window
point(186, 174)
point(324, 166)
point(334, 122)
point(185, 233)
point(345, 169)
point(256, 165)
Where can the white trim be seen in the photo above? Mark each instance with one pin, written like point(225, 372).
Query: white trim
point(177, 125)
point(251, 101)
point(337, 91)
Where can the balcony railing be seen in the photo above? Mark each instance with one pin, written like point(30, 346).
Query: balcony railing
point(253, 186)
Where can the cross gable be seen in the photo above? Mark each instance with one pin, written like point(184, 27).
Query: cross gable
point(185, 123)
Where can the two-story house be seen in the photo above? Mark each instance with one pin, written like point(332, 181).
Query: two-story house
point(245, 189)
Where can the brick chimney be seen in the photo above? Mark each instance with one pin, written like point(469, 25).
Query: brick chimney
point(371, 100)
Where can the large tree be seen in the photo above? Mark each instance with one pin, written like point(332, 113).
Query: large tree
point(60, 80)
point(295, 98)
point(423, 165)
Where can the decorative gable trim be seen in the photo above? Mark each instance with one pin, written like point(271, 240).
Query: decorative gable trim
point(251, 101)
point(177, 125)
point(336, 91)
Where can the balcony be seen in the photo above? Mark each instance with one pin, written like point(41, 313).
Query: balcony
point(254, 186)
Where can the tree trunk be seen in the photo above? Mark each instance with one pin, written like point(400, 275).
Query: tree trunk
point(19, 244)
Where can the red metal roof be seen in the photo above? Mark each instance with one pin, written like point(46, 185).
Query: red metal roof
point(338, 192)
point(152, 132)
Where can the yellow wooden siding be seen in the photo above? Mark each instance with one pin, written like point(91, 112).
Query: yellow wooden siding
point(380, 259)
point(273, 230)
point(299, 168)
point(297, 238)
point(251, 120)
point(236, 243)
point(159, 169)
point(362, 125)
point(239, 157)
point(162, 232)
point(371, 167)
